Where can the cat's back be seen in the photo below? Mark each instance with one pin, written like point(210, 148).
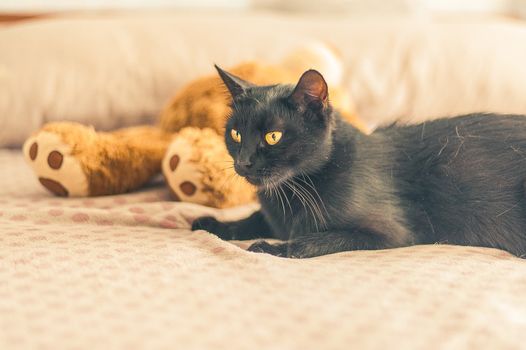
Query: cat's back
point(475, 125)
point(462, 179)
point(477, 144)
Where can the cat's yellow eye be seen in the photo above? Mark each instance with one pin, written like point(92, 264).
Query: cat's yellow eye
point(273, 137)
point(236, 136)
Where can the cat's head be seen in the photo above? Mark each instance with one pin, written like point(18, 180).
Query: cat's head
point(280, 131)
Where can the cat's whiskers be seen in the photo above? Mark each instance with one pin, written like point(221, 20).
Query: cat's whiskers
point(300, 194)
point(304, 200)
point(227, 168)
point(229, 175)
point(266, 187)
point(311, 185)
point(222, 162)
point(313, 204)
point(273, 192)
point(286, 198)
point(291, 234)
point(227, 180)
point(322, 216)
point(278, 194)
point(279, 188)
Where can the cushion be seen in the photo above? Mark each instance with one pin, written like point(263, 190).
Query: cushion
point(118, 70)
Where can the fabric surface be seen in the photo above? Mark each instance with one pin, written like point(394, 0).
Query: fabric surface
point(116, 70)
point(124, 272)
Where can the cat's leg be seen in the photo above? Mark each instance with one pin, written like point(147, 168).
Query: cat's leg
point(254, 226)
point(322, 243)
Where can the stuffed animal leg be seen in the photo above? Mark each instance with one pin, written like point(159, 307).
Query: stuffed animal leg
point(199, 169)
point(71, 159)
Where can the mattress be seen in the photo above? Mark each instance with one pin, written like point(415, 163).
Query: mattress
point(125, 272)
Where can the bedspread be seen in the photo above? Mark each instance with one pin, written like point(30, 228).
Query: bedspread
point(125, 272)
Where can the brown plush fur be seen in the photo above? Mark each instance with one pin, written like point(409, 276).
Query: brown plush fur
point(216, 180)
point(115, 162)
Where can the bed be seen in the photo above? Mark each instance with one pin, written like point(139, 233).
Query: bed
point(125, 272)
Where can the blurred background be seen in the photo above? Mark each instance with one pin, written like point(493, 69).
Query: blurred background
point(514, 8)
point(115, 63)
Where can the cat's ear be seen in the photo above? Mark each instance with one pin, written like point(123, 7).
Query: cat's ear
point(234, 84)
point(311, 89)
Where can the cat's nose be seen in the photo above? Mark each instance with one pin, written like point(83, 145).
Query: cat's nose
point(243, 166)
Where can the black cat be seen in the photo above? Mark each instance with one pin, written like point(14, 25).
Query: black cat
point(325, 187)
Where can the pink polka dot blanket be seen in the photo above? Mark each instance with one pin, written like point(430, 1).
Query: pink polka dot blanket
point(125, 272)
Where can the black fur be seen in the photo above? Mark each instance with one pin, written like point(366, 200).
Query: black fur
point(326, 187)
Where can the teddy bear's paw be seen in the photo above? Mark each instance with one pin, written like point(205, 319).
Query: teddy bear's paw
point(182, 175)
point(57, 170)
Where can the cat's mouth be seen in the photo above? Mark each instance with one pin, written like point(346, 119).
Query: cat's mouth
point(254, 180)
point(267, 181)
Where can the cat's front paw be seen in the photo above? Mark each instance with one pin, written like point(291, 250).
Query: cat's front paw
point(212, 225)
point(207, 223)
point(278, 249)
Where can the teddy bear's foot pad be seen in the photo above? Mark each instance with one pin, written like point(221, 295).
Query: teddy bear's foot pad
point(54, 187)
point(57, 170)
point(181, 174)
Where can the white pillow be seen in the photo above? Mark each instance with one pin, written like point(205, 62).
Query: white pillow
point(417, 71)
point(118, 70)
point(106, 71)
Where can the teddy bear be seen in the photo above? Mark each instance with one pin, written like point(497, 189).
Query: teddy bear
point(187, 145)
